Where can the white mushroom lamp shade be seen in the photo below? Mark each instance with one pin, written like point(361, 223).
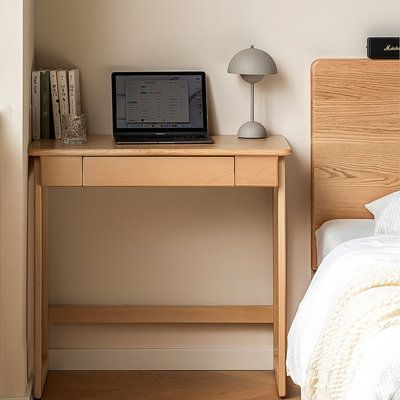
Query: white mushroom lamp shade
point(252, 65)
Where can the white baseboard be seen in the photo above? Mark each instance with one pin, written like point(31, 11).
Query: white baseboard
point(27, 396)
point(160, 359)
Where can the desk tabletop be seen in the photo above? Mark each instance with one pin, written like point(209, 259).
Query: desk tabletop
point(104, 145)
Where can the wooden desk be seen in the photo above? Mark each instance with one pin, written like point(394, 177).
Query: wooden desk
point(100, 162)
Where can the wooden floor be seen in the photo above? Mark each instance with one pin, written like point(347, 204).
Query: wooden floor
point(163, 385)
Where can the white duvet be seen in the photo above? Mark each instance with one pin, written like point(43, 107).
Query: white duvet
point(374, 373)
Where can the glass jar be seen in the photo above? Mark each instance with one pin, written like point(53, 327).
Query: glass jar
point(73, 128)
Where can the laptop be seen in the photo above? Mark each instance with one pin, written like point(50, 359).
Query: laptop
point(159, 107)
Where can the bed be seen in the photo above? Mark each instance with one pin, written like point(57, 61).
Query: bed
point(344, 342)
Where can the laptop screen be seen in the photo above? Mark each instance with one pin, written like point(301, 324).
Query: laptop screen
point(159, 101)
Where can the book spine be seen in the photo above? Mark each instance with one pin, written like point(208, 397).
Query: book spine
point(45, 109)
point(35, 110)
point(74, 91)
point(55, 101)
point(62, 80)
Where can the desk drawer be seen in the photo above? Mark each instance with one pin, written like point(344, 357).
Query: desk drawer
point(256, 171)
point(158, 171)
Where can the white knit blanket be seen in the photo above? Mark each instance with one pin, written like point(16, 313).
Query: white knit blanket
point(368, 305)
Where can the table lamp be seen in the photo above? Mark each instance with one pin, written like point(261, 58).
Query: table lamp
point(252, 65)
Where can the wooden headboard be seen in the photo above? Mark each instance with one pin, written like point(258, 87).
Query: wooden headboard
point(355, 112)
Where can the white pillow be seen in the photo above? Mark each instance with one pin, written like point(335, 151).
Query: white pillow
point(386, 212)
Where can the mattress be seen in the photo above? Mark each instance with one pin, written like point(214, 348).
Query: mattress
point(337, 231)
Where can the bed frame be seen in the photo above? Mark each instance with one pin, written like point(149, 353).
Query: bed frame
point(355, 154)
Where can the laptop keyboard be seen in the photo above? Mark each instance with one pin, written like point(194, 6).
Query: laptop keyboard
point(173, 138)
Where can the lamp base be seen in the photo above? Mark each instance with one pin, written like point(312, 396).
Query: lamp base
point(252, 130)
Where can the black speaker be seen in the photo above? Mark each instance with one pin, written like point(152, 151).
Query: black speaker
point(383, 48)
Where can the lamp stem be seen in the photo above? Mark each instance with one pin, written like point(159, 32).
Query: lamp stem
point(252, 102)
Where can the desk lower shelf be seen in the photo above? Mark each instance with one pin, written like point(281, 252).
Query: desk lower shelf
point(62, 314)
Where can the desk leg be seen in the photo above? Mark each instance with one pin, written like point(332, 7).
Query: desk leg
point(280, 281)
point(41, 301)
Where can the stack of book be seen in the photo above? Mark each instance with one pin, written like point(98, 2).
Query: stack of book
point(55, 92)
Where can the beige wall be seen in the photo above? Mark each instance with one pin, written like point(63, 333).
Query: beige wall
point(16, 38)
point(159, 246)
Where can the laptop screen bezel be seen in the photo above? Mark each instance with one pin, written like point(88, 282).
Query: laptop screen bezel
point(203, 130)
